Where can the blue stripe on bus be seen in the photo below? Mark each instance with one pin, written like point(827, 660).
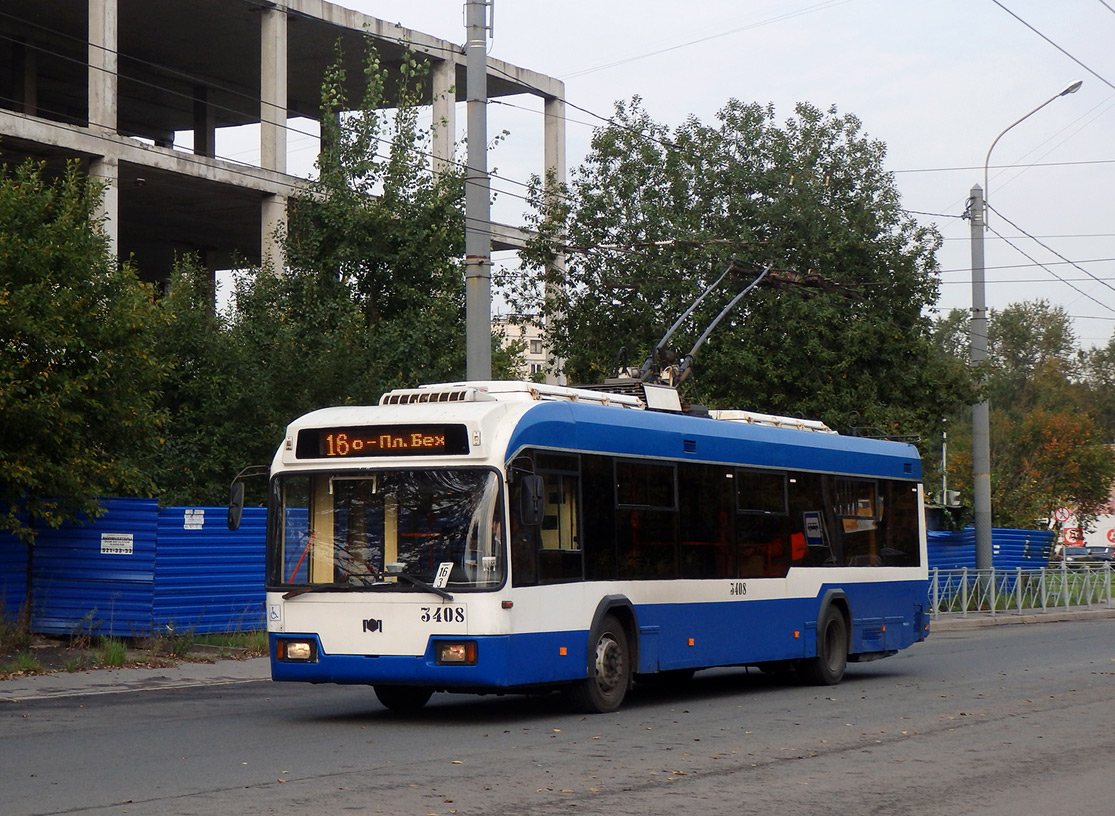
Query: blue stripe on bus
point(626, 432)
point(722, 634)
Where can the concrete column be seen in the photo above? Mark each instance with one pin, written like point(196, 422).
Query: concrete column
point(273, 211)
point(205, 124)
point(107, 170)
point(554, 161)
point(272, 129)
point(444, 114)
point(24, 88)
point(273, 90)
point(103, 47)
point(554, 136)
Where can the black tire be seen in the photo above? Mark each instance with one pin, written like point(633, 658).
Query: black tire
point(403, 698)
point(609, 672)
point(827, 668)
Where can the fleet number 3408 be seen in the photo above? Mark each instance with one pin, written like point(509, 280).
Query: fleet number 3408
point(443, 614)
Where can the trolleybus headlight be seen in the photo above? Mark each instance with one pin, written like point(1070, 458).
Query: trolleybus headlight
point(296, 651)
point(457, 652)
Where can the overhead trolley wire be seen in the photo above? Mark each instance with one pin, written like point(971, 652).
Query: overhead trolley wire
point(1065, 281)
point(1049, 248)
point(1098, 76)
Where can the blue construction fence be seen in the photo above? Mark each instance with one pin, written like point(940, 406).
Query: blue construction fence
point(1010, 549)
point(140, 570)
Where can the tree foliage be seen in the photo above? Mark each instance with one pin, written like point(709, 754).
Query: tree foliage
point(78, 379)
point(1050, 438)
point(682, 205)
point(371, 296)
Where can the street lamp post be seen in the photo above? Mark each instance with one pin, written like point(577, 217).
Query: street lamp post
point(981, 413)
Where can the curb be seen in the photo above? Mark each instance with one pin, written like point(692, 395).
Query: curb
point(954, 622)
point(118, 681)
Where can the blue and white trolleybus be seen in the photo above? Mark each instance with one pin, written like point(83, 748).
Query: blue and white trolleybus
point(508, 536)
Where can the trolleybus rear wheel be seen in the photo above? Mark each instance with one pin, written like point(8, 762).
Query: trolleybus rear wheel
point(609, 670)
point(827, 668)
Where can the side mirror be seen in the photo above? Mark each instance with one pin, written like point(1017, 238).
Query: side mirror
point(531, 499)
point(235, 505)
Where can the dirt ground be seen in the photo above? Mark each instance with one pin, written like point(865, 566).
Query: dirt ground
point(46, 655)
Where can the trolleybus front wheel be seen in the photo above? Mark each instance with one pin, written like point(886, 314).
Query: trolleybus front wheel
point(609, 673)
point(403, 698)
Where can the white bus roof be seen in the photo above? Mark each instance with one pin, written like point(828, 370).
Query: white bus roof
point(518, 391)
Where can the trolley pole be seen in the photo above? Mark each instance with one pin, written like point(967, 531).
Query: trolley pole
point(478, 228)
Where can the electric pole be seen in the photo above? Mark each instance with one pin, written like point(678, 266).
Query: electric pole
point(478, 227)
point(981, 411)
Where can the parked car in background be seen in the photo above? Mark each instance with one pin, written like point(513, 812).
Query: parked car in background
point(1073, 553)
point(1085, 555)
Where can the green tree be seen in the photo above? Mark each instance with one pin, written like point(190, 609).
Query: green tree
point(371, 296)
point(657, 214)
point(1098, 374)
point(383, 230)
point(1047, 450)
point(78, 381)
point(210, 394)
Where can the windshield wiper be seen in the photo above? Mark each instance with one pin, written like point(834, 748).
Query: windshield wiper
point(294, 593)
point(418, 582)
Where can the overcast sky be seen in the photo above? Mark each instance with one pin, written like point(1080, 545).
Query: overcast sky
point(936, 80)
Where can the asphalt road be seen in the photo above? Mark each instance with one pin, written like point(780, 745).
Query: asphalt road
point(1005, 720)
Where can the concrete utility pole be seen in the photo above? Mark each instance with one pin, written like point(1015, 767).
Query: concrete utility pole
point(981, 411)
point(478, 227)
point(981, 415)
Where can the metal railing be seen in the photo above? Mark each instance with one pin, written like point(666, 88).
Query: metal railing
point(1020, 591)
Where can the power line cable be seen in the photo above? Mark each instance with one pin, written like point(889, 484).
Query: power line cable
point(1098, 76)
point(967, 270)
point(1049, 248)
point(1072, 286)
point(1081, 162)
point(777, 19)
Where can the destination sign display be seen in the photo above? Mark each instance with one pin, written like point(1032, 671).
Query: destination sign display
point(381, 440)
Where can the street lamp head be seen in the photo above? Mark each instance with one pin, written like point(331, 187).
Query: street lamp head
point(1071, 89)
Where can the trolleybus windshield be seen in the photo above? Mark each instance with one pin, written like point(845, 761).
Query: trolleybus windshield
point(361, 530)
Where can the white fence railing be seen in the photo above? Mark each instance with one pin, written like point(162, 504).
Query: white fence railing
point(1018, 591)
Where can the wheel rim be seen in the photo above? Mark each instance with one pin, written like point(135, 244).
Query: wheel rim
point(610, 668)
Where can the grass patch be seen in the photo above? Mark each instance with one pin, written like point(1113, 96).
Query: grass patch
point(254, 642)
point(24, 663)
point(112, 652)
point(76, 664)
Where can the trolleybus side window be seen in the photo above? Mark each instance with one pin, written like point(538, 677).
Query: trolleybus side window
point(707, 499)
point(550, 552)
point(598, 517)
point(560, 559)
point(901, 546)
point(811, 541)
point(762, 524)
point(646, 519)
point(857, 511)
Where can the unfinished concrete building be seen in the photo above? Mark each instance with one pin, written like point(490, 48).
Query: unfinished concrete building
point(139, 90)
